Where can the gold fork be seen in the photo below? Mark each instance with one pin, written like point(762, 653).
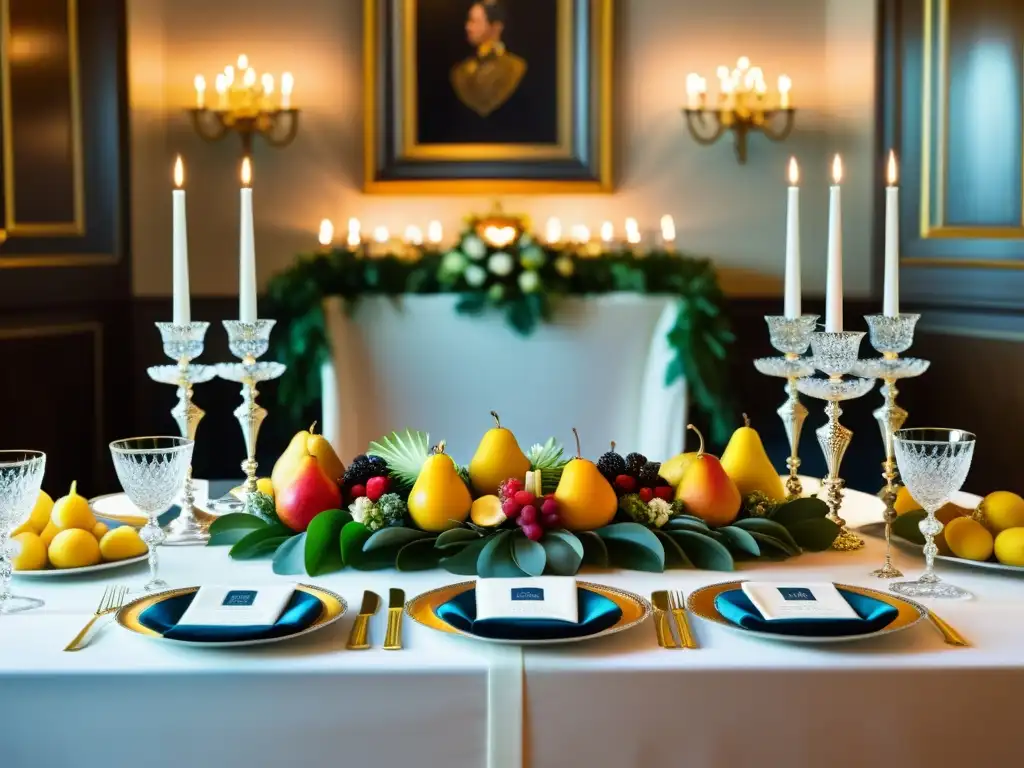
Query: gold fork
point(678, 605)
point(112, 600)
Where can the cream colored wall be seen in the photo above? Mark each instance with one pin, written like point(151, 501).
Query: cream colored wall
point(730, 212)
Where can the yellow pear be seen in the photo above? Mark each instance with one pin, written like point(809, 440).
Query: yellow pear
point(30, 552)
point(672, 471)
point(322, 450)
point(287, 461)
point(306, 443)
point(585, 499)
point(72, 511)
point(746, 462)
point(439, 500)
point(122, 543)
point(707, 490)
point(74, 548)
point(48, 533)
point(497, 458)
point(40, 514)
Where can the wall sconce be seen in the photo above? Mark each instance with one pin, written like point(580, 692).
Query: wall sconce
point(743, 106)
point(248, 105)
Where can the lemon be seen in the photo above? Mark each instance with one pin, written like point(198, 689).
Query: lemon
point(40, 514)
point(486, 512)
point(31, 552)
point(264, 485)
point(1010, 547)
point(969, 539)
point(122, 543)
point(72, 511)
point(100, 530)
point(48, 533)
point(904, 501)
point(74, 548)
point(1001, 510)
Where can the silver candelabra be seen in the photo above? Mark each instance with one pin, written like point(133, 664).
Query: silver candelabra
point(183, 342)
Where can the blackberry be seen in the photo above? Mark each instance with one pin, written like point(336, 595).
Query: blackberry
point(634, 463)
point(611, 465)
point(649, 474)
point(380, 466)
point(358, 472)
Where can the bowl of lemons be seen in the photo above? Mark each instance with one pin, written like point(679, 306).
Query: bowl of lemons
point(64, 537)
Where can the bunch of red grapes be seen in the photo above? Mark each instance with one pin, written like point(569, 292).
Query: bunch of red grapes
point(531, 513)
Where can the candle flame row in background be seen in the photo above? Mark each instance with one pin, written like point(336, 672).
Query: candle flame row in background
point(834, 280)
point(242, 88)
point(579, 234)
point(735, 86)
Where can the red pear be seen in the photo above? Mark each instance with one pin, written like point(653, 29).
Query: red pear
point(306, 493)
point(707, 490)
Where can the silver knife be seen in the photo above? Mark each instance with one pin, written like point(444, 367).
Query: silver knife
point(393, 635)
point(358, 638)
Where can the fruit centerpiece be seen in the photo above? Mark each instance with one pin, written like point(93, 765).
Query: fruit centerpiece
point(407, 504)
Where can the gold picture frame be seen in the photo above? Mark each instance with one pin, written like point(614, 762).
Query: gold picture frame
point(575, 156)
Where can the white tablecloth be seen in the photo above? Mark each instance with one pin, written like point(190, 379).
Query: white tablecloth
point(414, 362)
point(904, 700)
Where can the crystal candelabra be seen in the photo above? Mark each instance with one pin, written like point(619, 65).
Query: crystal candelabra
point(184, 342)
point(249, 341)
point(835, 354)
point(890, 336)
point(792, 337)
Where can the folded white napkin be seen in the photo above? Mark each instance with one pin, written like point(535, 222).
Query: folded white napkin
point(543, 597)
point(227, 606)
point(789, 600)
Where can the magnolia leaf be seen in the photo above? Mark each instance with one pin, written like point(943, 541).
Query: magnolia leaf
point(814, 535)
point(290, 558)
point(455, 537)
point(675, 557)
point(232, 528)
point(769, 528)
point(323, 553)
point(529, 556)
point(393, 537)
point(563, 559)
point(682, 521)
point(496, 560)
point(906, 526)
point(258, 542)
point(704, 551)
point(773, 548)
point(631, 545)
point(463, 562)
point(798, 510)
point(353, 536)
point(739, 540)
point(420, 555)
point(594, 550)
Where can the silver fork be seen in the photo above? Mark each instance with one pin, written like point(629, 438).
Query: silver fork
point(112, 600)
point(678, 604)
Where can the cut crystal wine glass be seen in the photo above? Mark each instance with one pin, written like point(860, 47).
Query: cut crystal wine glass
point(21, 475)
point(933, 464)
point(151, 471)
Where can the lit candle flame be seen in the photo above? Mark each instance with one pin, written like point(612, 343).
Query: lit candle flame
point(200, 83)
point(287, 83)
point(381, 235)
point(668, 229)
point(632, 231)
point(743, 63)
point(354, 236)
point(554, 230)
point(413, 235)
point(246, 172)
point(794, 172)
point(229, 74)
point(580, 234)
point(837, 170)
point(179, 172)
point(268, 83)
point(785, 83)
point(607, 232)
point(249, 78)
point(435, 233)
point(892, 168)
point(243, 62)
point(221, 83)
point(326, 232)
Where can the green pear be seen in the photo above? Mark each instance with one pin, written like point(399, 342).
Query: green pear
point(497, 458)
point(746, 462)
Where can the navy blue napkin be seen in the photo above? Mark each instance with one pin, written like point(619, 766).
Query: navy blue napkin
point(597, 613)
point(873, 615)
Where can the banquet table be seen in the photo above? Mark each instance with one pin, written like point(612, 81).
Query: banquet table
point(902, 700)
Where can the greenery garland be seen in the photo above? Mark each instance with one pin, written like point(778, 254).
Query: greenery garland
point(523, 280)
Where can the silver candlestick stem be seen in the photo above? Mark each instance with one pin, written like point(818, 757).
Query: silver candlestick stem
point(835, 355)
point(183, 342)
point(890, 336)
point(248, 341)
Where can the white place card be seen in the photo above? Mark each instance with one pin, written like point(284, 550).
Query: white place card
point(788, 600)
point(543, 597)
point(220, 606)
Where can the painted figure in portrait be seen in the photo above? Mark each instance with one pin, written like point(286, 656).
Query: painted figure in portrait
point(487, 79)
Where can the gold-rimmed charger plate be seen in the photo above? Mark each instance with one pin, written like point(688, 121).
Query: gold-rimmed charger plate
point(420, 609)
point(701, 603)
point(332, 608)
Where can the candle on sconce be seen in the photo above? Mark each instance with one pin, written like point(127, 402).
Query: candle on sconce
point(243, 62)
point(182, 312)
point(229, 75)
point(792, 299)
point(785, 84)
point(668, 232)
point(891, 295)
point(247, 251)
point(326, 235)
point(287, 84)
point(834, 285)
point(249, 78)
point(200, 84)
point(580, 234)
point(607, 233)
point(381, 235)
point(413, 235)
point(355, 238)
point(435, 233)
point(692, 90)
point(221, 86)
point(553, 231)
point(632, 231)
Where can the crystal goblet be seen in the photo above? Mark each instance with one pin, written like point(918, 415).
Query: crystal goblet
point(151, 471)
point(933, 464)
point(21, 475)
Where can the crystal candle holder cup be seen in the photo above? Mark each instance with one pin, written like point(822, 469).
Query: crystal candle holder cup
point(891, 335)
point(791, 336)
point(248, 341)
point(835, 354)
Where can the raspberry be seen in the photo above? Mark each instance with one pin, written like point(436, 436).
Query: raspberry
point(646, 494)
point(666, 492)
point(625, 483)
point(510, 487)
point(358, 491)
point(524, 498)
point(377, 487)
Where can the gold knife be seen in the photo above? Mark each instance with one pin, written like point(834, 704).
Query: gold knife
point(949, 635)
point(661, 626)
point(393, 635)
point(358, 638)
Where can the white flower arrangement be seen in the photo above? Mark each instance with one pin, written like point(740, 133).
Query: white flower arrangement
point(532, 257)
point(565, 266)
point(474, 247)
point(475, 275)
point(529, 281)
point(500, 264)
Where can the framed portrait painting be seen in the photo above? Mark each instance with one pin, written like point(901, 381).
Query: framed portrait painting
point(488, 96)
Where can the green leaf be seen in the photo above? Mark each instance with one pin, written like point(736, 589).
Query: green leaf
point(290, 558)
point(257, 543)
point(594, 550)
point(529, 556)
point(393, 538)
point(463, 562)
point(564, 553)
point(769, 528)
point(798, 510)
point(675, 557)
point(686, 521)
point(496, 560)
point(418, 555)
point(353, 536)
point(739, 540)
point(773, 548)
point(455, 537)
point(704, 551)
point(906, 526)
point(232, 528)
point(323, 553)
point(631, 545)
point(814, 535)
